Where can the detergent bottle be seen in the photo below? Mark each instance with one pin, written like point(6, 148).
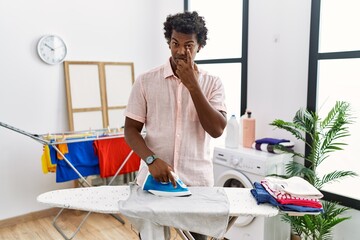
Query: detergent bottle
point(232, 139)
point(248, 130)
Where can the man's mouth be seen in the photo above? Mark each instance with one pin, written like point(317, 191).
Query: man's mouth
point(177, 59)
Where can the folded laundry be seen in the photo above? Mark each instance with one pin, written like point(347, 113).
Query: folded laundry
point(266, 147)
point(296, 186)
point(286, 198)
point(261, 196)
point(272, 141)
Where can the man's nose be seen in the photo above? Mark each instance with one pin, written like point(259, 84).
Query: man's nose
point(181, 50)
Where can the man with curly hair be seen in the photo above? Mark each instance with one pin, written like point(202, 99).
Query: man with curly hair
point(181, 107)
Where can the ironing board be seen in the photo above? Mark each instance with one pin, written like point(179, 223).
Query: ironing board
point(54, 139)
point(104, 199)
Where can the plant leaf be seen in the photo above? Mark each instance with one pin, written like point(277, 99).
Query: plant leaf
point(336, 176)
point(294, 129)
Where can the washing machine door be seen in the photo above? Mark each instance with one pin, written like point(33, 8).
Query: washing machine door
point(233, 178)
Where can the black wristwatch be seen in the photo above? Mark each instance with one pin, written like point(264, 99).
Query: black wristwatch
point(150, 159)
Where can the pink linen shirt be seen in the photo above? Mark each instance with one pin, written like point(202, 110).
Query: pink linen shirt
point(173, 130)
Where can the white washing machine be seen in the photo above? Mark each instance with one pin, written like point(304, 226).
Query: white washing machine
point(241, 168)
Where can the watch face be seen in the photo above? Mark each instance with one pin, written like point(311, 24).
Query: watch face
point(52, 49)
point(150, 159)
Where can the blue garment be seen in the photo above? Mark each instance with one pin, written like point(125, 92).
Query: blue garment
point(53, 156)
point(262, 196)
point(82, 156)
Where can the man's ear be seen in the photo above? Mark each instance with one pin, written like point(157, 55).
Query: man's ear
point(198, 50)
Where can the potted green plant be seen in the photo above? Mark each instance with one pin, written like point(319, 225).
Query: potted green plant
point(321, 136)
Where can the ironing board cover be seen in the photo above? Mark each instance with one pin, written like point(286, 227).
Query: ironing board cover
point(104, 199)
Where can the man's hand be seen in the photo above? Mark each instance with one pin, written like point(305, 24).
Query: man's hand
point(161, 171)
point(187, 71)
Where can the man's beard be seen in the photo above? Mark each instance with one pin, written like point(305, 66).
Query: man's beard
point(180, 58)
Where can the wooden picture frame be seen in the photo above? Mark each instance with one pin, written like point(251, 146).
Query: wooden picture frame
point(97, 93)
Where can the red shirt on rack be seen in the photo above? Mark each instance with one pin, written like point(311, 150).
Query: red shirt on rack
point(112, 153)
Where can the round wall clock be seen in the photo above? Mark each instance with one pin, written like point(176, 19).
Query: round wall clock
point(51, 49)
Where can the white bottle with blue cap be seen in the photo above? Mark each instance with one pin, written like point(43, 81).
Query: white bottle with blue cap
point(232, 139)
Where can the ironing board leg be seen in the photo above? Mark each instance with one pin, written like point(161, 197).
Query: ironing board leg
point(82, 183)
point(185, 235)
point(62, 232)
point(232, 220)
point(117, 217)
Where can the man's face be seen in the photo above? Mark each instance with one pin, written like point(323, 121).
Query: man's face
point(179, 43)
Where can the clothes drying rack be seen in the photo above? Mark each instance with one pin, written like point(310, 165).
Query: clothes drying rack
point(54, 139)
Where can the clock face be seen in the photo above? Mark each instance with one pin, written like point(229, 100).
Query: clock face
point(52, 49)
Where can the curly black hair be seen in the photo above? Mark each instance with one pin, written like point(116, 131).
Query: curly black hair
point(188, 23)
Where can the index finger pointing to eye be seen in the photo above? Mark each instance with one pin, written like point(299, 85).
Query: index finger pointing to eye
point(188, 55)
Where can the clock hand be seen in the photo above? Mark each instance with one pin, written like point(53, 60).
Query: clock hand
point(61, 46)
point(49, 47)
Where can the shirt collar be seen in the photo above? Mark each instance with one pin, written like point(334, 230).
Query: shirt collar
point(168, 72)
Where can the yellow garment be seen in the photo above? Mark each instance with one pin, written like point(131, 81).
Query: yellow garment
point(63, 148)
point(47, 165)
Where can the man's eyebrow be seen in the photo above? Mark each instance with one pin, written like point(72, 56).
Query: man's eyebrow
point(190, 41)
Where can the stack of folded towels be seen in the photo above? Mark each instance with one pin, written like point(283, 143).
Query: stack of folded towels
point(269, 144)
point(294, 194)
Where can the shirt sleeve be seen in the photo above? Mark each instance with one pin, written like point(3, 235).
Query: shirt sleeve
point(136, 107)
point(217, 97)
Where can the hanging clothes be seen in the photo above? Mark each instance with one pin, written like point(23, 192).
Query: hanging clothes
point(112, 153)
point(83, 158)
point(47, 164)
point(63, 148)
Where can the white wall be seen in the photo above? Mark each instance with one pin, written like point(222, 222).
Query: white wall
point(278, 61)
point(277, 73)
point(32, 93)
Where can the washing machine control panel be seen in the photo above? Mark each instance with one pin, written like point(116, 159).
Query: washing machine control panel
point(252, 160)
